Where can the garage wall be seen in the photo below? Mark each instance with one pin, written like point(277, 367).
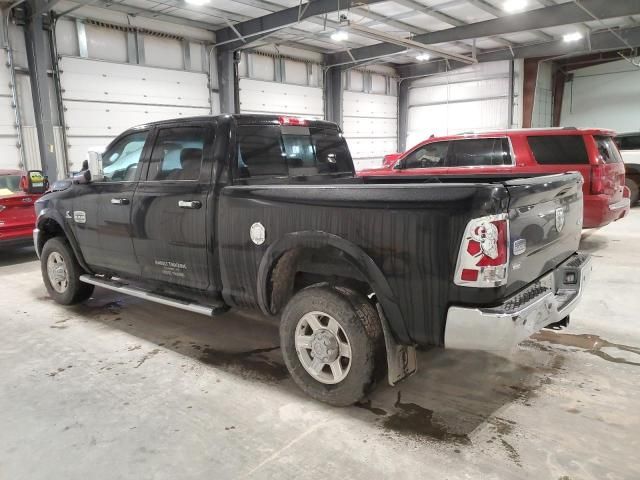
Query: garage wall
point(278, 84)
point(542, 115)
point(370, 116)
point(111, 84)
point(468, 99)
point(606, 96)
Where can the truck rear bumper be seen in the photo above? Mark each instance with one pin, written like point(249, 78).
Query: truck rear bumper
point(547, 300)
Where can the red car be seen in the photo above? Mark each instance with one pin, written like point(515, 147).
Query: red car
point(524, 152)
point(18, 192)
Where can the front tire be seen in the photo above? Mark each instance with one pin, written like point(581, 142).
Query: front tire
point(61, 273)
point(331, 341)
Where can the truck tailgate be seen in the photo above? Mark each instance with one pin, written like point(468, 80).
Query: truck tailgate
point(545, 224)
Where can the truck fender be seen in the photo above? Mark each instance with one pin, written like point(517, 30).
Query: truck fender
point(49, 215)
point(360, 260)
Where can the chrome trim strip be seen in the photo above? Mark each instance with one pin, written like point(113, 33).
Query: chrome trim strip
point(146, 295)
point(624, 203)
point(36, 236)
point(498, 328)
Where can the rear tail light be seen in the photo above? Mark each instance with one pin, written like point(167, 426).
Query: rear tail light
point(597, 179)
point(293, 121)
point(483, 259)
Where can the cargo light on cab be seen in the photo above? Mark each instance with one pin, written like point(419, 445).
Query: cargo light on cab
point(484, 253)
point(293, 121)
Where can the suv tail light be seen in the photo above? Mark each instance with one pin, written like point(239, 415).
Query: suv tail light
point(597, 179)
point(483, 259)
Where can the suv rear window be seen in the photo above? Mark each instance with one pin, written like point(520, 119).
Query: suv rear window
point(608, 150)
point(559, 149)
point(290, 150)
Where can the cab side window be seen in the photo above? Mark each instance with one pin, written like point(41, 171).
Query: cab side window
point(177, 154)
point(121, 162)
point(427, 156)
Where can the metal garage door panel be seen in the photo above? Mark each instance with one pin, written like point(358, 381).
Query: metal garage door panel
point(370, 124)
point(270, 97)
point(102, 99)
point(108, 119)
point(94, 80)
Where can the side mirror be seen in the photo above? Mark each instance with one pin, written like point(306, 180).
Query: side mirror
point(35, 182)
point(82, 178)
point(94, 164)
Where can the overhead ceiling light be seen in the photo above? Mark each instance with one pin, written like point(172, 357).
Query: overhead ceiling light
point(572, 37)
point(197, 2)
point(339, 36)
point(512, 6)
point(423, 57)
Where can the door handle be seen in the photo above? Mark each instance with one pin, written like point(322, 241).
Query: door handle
point(194, 204)
point(119, 201)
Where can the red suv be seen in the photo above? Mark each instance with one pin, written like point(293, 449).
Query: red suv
point(592, 152)
point(18, 192)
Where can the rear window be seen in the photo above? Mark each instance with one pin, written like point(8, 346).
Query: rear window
point(559, 149)
point(607, 149)
point(290, 151)
point(631, 142)
point(479, 151)
point(9, 184)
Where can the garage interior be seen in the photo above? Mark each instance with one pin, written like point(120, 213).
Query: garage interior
point(121, 388)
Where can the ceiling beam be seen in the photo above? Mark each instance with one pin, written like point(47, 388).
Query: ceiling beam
point(552, 16)
point(496, 12)
point(254, 29)
point(600, 42)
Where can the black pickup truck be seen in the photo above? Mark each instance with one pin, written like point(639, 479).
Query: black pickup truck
point(266, 213)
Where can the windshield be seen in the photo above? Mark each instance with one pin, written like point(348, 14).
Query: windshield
point(9, 184)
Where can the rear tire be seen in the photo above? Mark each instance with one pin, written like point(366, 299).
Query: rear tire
point(61, 273)
point(332, 343)
point(633, 188)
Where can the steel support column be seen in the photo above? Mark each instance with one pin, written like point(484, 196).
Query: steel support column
point(333, 95)
point(228, 81)
point(39, 60)
point(403, 114)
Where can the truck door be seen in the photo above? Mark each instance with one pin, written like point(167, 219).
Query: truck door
point(101, 212)
point(172, 233)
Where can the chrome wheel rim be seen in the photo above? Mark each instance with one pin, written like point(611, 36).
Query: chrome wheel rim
point(323, 347)
point(57, 272)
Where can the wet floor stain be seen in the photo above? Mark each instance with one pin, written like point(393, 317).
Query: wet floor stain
point(249, 364)
point(415, 421)
point(147, 356)
point(367, 406)
point(512, 453)
point(59, 371)
point(592, 344)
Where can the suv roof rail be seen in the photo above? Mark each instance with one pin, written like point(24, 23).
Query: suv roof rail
point(569, 128)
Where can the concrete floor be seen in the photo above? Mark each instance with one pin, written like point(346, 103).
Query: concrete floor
point(121, 388)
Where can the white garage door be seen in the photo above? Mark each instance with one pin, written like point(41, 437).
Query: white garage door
point(102, 99)
point(257, 96)
point(370, 125)
point(9, 152)
point(468, 99)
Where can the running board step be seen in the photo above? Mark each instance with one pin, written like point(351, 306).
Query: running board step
point(122, 287)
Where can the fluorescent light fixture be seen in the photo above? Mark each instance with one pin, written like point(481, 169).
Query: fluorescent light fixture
point(423, 57)
point(197, 2)
point(512, 6)
point(339, 36)
point(572, 37)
